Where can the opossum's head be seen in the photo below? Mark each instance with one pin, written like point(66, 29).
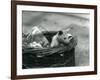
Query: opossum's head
point(64, 37)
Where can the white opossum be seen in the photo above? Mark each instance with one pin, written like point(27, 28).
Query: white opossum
point(61, 37)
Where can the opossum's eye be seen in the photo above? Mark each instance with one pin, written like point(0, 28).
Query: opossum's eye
point(65, 38)
point(60, 32)
point(69, 37)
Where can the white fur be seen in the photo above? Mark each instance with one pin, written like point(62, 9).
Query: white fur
point(35, 45)
point(54, 42)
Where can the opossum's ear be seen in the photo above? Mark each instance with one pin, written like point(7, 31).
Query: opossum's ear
point(60, 32)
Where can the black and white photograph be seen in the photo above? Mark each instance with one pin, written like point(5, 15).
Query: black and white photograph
point(53, 39)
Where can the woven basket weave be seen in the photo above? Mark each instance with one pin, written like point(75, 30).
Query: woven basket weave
point(46, 57)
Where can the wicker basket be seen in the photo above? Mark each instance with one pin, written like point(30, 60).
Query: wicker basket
point(50, 57)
